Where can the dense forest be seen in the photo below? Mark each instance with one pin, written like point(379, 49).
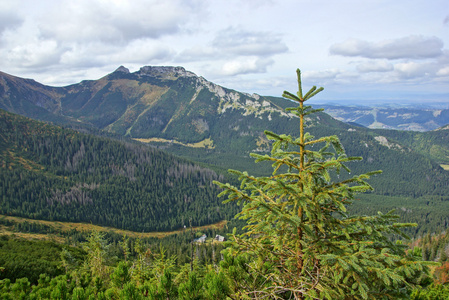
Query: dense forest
point(58, 174)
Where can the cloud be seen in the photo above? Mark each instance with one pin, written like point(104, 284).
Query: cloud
point(9, 20)
point(246, 43)
point(246, 66)
point(238, 51)
point(9, 17)
point(198, 53)
point(412, 47)
point(142, 50)
point(98, 54)
point(446, 20)
point(35, 55)
point(415, 70)
point(443, 71)
point(321, 75)
point(375, 66)
point(92, 33)
point(235, 43)
point(115, 21)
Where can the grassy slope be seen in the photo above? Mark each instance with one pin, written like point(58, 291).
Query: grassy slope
point(84, 227)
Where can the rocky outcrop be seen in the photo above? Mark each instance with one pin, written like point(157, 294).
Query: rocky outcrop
point(165, 72)
point(122, 69)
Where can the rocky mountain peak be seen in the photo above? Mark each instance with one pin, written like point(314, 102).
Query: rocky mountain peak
point(165, 72)
point(122, 69)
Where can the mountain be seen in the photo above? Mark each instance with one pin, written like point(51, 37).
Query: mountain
point(51, 173)
point(165, 105)
point(399, 118)
point(30, 98)
point(175, 110)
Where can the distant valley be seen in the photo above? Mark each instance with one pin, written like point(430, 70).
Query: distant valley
point(398, 118)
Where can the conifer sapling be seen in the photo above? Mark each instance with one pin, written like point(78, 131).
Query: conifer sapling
point(300, 242)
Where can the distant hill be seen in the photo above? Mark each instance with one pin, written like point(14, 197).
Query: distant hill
point(413, 119)
point(56, 174)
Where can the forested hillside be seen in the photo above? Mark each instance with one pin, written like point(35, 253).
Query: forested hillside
point(433, 144)
point(52, 173)
point(175, 110)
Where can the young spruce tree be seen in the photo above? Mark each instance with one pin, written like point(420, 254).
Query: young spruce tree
point(300, 243)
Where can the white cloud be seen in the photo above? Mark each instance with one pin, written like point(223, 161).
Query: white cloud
point(35, 54)
point(242, 42)
point(320, 75)
point(235, 43)
point(415, 70)
point(114, 21)
point(198, 53)
point(443, 71)
point(142, 50)
point(412, 47)
point(238, 52)
point(375, 66)
point(246, 66)
point(94, 33)
point(99, 54)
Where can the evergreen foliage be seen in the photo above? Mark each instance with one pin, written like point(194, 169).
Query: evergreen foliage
point(21, 258)
point(148, 273)
point(58, 174)
point(300, 241)
point(125, 268)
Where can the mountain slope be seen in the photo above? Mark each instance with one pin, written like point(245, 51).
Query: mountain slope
point(433, 144)
point(58, 174)
point(164, 102)
point(30, 98)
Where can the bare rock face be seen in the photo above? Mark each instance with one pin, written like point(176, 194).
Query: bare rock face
point(165, 72)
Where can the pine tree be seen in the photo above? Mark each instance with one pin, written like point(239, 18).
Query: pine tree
point(300, 242)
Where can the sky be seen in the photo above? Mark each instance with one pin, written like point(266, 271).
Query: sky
point(395, 51)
